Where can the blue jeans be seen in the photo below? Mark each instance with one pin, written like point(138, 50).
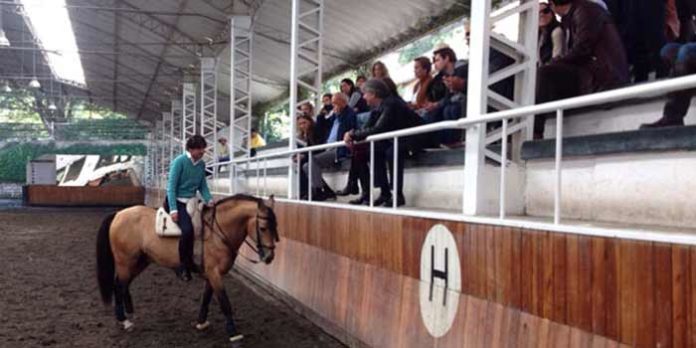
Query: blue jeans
point(186, 226)
point(682, 61)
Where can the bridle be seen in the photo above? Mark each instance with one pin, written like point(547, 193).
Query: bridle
point(259, 245)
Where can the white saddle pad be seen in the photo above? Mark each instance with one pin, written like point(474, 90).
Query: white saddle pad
point(166, 227)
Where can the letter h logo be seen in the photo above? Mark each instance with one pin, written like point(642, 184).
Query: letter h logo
point(435, 273)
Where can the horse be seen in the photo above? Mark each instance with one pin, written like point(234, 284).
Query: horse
point(127, 244)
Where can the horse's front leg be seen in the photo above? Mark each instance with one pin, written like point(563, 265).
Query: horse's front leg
point(202, 322)
point(221, 295)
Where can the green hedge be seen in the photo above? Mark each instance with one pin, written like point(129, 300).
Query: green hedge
point(14, 157)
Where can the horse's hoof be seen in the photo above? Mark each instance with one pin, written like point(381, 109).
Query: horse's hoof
point(236, 338)
point(202, 326)
point(127, 325)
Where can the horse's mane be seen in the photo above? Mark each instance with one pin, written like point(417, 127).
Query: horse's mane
point(240, 197)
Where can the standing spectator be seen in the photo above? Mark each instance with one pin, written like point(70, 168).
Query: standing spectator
point(223, 151)
point(307, 109)
point(595, 60)
point(257, 141)
point(552, 39)
point(421, 69)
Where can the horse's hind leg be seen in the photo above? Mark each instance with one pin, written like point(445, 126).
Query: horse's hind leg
point(119, 307)
point(128, 301)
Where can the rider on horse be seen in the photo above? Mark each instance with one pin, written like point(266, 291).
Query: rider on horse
point(186, 177)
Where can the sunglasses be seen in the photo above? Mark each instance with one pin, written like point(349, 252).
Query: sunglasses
point(545, 11)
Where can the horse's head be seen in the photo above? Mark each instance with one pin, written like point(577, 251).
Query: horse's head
point(264, 230)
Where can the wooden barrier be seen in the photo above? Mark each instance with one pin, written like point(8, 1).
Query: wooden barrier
point(51, 195)
point(360, 272)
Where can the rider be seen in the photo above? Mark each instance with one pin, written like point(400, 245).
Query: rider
point(186, 176)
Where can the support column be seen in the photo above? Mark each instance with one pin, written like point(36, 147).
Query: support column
point(189, 111)
point(209, 123)
point(241, 43)
point(178, 141)
point(150, 161)
point(523, 50)
point(305, 64)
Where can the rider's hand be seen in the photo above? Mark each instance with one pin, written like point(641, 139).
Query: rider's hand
point(175, 217)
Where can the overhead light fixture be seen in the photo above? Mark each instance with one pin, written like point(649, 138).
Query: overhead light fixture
point(52, 106)
point(6, 88)
point(34, 83)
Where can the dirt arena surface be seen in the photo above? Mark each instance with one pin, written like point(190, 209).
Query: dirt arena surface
point(49, 295)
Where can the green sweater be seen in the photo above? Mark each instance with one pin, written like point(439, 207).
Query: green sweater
point(185, 179)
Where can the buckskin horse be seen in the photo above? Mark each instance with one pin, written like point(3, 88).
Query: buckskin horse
point(127, 244)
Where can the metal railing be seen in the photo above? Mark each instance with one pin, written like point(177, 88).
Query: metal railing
point(559, 107)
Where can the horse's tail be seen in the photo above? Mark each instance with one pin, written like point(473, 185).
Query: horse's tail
point(105, 260)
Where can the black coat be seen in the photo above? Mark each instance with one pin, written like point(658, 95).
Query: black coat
point(393, 114)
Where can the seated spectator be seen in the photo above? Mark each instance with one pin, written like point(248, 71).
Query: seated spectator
point(454, 105)
point(444, 60)
point(389, 113)
point(257, 141)
point(552, 39)
point(359, 81)
point(595, 60)
point(355, 99)
point(379, 70)
point(682, 61)
point(306, 136)
point(421, 69)
point(326, 104)
point(342, 120)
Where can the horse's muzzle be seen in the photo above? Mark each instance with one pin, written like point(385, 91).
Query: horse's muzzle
point(267, 256)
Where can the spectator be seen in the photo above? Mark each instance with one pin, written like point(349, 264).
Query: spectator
point(307, 109)
point(326, 104)
point(552, 40)
point(389, 113)
point(257, 141)
point(443, 61)
point(595, 60)
point(306, 136)
point(359, 81)
point(379, 70)
point(342, 120)
point(355, 99)
point(223, 151)
point(421, 69)
point(454, 105)
point(681, 60)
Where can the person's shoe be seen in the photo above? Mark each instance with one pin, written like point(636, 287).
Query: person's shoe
point(350, 189)
point(329, 195)
point(381, 199)
point(362, 200)
point(318, 195)
point(399, 202)
point(663, 122)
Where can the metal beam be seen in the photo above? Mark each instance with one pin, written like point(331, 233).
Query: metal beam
point(170, 35)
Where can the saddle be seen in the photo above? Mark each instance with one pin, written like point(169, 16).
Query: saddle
point(166, 227)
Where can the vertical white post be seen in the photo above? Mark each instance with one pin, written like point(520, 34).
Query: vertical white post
point(178, 141)
point(395, 177)
point(559, 157)
point(503, 169)
point(305, 54)
point(189, 112)
point(372, 172)
point(476, 106)
point(209, 122)
point(241, 43)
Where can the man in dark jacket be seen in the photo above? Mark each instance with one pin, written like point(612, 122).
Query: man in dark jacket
point(341, 121)
point(595, 61)
point(390, 113)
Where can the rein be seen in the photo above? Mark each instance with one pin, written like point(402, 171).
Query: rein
point(222, 236)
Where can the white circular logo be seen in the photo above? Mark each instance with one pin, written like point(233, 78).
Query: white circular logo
point(441, 280)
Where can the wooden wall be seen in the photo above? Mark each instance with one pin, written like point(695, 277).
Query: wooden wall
point(83, 196)
point(360, 272)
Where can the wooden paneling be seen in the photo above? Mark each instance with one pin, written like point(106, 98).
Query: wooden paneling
point(520, 287)
point(51, 195)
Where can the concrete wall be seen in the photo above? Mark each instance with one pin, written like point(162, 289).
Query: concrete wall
point(651, 189)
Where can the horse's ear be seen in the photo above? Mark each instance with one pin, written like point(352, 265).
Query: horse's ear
point(271, 202)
